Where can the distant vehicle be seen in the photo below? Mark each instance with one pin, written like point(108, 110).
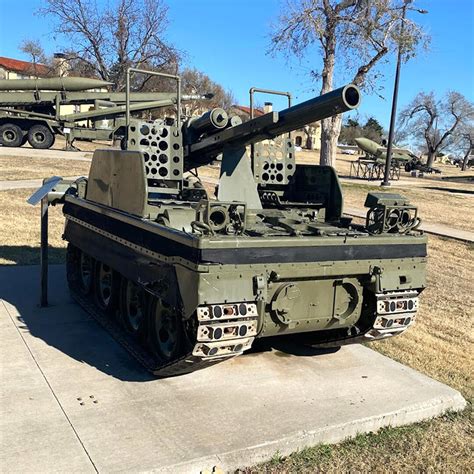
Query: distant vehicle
point(30, 110)
point(346, 149)
point(378, 152)
point(400, 156)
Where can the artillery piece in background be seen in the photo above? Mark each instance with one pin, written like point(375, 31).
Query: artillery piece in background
point(185, 280)
point(30, 110)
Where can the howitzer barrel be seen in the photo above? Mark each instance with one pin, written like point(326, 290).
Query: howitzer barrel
point(316, 109)
point(52, 84)
point(274, 124)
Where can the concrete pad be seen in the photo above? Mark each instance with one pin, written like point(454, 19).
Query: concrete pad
point(231, 415)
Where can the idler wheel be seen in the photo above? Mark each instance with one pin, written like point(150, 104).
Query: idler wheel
point(165, 330)
point(79, 270)
point(106, 287)
point(132, 307)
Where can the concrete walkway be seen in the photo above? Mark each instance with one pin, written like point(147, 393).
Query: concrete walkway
point(430, 228)
point(72, 400)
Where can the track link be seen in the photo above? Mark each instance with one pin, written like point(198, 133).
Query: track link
point(185, 364)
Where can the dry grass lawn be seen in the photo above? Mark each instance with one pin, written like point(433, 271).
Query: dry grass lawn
point(22, 167)
point(436, 206)
point(20, 230)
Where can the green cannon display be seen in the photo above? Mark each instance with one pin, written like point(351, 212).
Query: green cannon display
point(184, 279)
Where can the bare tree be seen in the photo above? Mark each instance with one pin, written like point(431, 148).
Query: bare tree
point(468, 142)
point(107, 38)
point(196, 82)
point(353, 37)
point(36, 55)
point(437, 121)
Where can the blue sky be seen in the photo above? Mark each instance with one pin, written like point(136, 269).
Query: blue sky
point(228, 40)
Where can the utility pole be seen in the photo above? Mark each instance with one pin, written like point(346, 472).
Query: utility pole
point(393, 117)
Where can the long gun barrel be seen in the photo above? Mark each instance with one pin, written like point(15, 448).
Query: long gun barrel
point(116, 110)
point(53, 84)
point(273, 124)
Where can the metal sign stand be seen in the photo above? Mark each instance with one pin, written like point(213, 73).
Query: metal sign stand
point(44, 252)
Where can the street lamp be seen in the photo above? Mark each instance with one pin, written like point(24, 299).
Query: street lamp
point(393, 117)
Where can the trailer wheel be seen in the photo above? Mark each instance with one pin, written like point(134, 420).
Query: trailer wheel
point(10, 135)
point(40, 136)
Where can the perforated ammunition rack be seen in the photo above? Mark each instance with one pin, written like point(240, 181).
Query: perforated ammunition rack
point(162, 152)
point(160, 143)
point(273, 160)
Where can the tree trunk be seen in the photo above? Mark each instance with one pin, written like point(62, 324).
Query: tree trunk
point(330, 130)
point(466, 159)
point(431, 157)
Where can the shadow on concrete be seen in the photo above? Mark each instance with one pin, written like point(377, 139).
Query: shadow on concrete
point(28, 255)
point(63, 325)
point(284, 346)
point(66, 327)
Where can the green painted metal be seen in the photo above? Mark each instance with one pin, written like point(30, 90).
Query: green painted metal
point(53, 84)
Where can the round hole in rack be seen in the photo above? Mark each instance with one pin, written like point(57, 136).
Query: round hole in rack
point(265, 176)
point(176, 146)
point(144, 130)
point(176, 159)
point(163, 145)
point(163, 171)
point(163, 158)
point(279, 177)
point(279, 166)
point(164, 133)
point(176, 172)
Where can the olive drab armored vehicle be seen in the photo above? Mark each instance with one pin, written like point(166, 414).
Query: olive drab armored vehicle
point(185, 276)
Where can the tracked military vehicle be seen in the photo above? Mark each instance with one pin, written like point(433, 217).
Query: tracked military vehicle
point(185, 276)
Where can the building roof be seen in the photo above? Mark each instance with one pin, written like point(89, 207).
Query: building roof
point(23, 66)
point(243, 108)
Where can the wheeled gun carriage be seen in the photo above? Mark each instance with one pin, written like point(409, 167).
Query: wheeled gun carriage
point(185, 279)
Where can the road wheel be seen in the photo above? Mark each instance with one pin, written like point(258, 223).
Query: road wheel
point(165, 335)
point(10, 135)
point(40, 136)
point(79, 270)
point(132, 307)
point(106, 287)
